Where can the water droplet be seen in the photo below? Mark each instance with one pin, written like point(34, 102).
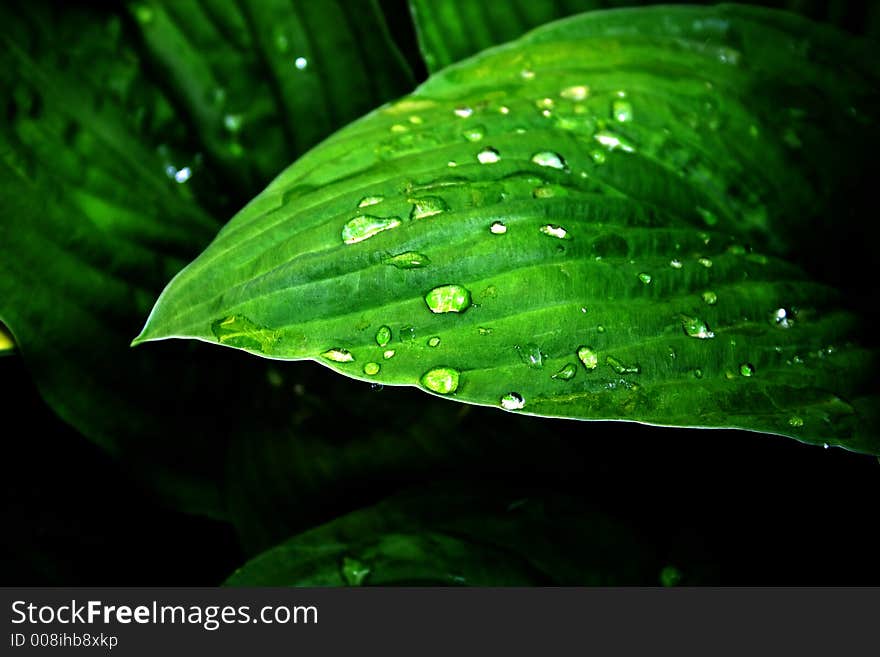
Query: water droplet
point(620, 368)
point(825, 445)
point(795, 421)
point(484, 330)
point(566, 372)
point(706, 262)
point(622, 111)
point(694, 327)
point(448, 299)
point(588, 356)
point(427, 206)
point(367, 201)
point(463, 112)
point(488, 156)
point(555, 231)
point(338, 355)
point(383, 336)
point(442, 380)
point(549, 159)
point(531, 355)
point(575, 92)
point(545, 103)
point(698, 373)
point(354, 572)
point(645, 278)
point(232, 122)
point(143, 13)
point(474, 133)
point(782, 318)
point(746, 369)
point(600, 329)
point(527, 74)
point(612, 141)
point(434, 341)
point(371, 369)
point(301, 63)
point(675, 264)
point(239, 331)
point(504, 109)
point(398, 128)
point(497, 228)
point(388, 354)
point(710, 297)
point(584, 309)
point(512, 401)
point(408, 260)
point(364, 226)
point(416, 119)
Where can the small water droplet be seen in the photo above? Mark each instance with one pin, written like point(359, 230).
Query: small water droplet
point(463, 112)
point(566, 372)
point(575, 92)
point(795, 421)
point(383, 335)
point(825, 445)
point(512, 401)
point(584, 309)
point(588, 356)
point(232, 122)
point(706, 262)
point(354, 572)
point(527, 74)
point(427, 206)
point(488, 156)
point(620, 368)
point(367, 201)
point(555, 231)
point(746, 369)
point(301, 63)
point(613, 141)
point(448, 299)
point(545, 103)
point(549, 159)
point(675, 264)
point(645, 278)
point(504, 109)
point(338, 355)
point(694, 327)
point(364, 226)
point(371, 369)
point(600, 329)
point(408, 260)
point(697, 373)
point(143, 13)
point(474, 133)
point(497, 228)
point(434, 341)
point(531, 355)
point(782, 318)
point(622, 111)
point(484, 330)
point(710, 297)
point(388, 354)
point(442, 380)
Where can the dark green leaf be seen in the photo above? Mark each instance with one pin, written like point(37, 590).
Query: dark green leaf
point(620, 237)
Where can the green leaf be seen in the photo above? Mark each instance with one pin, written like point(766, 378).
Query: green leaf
point(638, 231)
point(458, 535)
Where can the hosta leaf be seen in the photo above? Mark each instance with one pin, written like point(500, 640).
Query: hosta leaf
point(458, 535)
point(628, 233)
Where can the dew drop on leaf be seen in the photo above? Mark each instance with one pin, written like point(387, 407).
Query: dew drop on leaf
point(612, 141)
point(388, 354)
point(448, 299)
point(620, 368)
point(497, 228)
point(645, 278)
point(364, 226)
point(622, 111)
point(706, 262)
point(474, 133)
point(531, 355)
point(512, 401)
point(367, 201)
point(301, 63)
point(575, 92)
point(694, 327)
point(434, 341)
point(442, 380)
point(371, 369)
point(549, 159)
point(555, 231)
point(463, 112)
point(710, 297)
point(427, 206)
point(588, 356)
point(383, 335)
point(795, 421)
point(746, 369)
point(338, 355)
point(408, 260)
point(675, 264)
point(488, 156)
point(566, 372)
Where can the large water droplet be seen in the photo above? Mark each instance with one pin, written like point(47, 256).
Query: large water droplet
point(408, 260)
point(621, 368)
point(463, 111)
point(371, 369)
point(442, 380)
point(497, 228)
point(746, 369)
point(566, 372)
point(367, 201)
point(488, 156)
point(645, 278)
point(434, 341)
point(354, 572)
point(338, 355)
point(531, 355)
point(588, 356)
point(301, 63)
point(427, 206)
point(782, 318)
point(549, 159)
point(555, 231)
point(694, 327)
point(364, 226)
point(675, 264)
point(512, 401)
point(448, 299)
point(388, 354)
point(383, 335)
point(575, 92)
point(612, 141)
point(710, 297)
point(622, 111)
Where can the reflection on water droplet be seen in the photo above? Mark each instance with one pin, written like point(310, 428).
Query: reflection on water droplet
point(588, 356)
point(448, 299)
point(427, 206)
point(575, 92)
point(531, 355)
point(338, 355)
point(710, 297)
point(613, 141)
point(620, 368)
point(364, 226)
point(463, 112)
point(694, 327)
point(383, 335)
point(442, 380)
point(301, 63)
point(622, 111)
point(746, 369)
point(367, 201)
point(566, 372)
point(705, 262)
point(782, 318)
point(645, 278)
point(795, 421)
point(474, 133)
point(434, 342)
point(675, 264)
point(549, 159)
point(512, 401)
point(389, 353)
point(497, 228)
point(354, 572)
point(555, 231)
point(408, 260)
point(488, 156)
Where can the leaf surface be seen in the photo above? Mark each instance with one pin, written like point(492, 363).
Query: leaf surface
point(641, 228)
